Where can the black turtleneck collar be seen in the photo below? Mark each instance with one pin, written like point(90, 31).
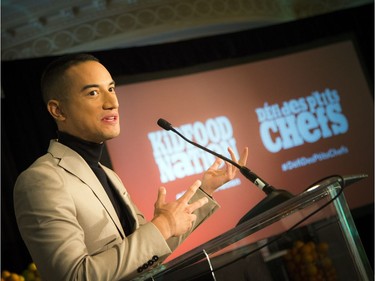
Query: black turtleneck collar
point(89, 151)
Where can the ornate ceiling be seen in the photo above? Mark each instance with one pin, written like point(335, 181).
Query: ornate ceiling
point(35, 28)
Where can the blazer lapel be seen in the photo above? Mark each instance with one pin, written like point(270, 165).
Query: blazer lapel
point(76, 165)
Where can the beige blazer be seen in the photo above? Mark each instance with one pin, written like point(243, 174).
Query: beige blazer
point(71, 228)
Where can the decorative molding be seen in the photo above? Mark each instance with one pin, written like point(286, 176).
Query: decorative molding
point(72, 26)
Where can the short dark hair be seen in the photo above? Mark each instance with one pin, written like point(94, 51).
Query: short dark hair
point(52, 81)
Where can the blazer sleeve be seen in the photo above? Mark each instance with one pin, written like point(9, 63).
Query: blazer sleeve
point(55, 227)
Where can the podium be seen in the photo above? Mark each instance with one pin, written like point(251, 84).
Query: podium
point(311, 236)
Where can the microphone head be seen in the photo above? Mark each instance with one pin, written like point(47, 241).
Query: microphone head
point(164, 124)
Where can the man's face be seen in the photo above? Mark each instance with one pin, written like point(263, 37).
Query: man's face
point(90, 109)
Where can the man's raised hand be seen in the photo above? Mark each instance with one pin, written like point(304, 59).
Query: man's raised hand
point(176, 218)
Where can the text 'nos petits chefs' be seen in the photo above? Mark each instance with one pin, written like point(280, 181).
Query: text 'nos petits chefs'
point(301, 120)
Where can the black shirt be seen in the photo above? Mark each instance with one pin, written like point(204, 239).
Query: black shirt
point(92, 153)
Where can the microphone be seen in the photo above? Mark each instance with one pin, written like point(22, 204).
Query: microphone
point(274, 196)
point(245, 171)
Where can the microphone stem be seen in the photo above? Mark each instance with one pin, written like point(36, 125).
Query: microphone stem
point(264, 186)
point(207, 150)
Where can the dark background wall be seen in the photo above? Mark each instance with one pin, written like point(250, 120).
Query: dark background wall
point(26, 127)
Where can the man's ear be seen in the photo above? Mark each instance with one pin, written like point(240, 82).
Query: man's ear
point(54, 108)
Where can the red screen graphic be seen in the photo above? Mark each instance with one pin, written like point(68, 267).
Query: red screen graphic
point(303, 116)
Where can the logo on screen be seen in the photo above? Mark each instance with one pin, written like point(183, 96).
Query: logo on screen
point(177, 159)
point(302, 120)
